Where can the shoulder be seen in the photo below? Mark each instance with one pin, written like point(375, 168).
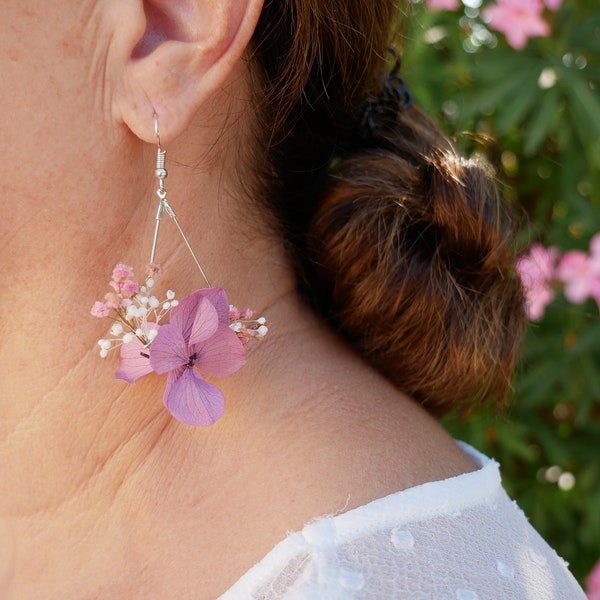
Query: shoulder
point(461, 537)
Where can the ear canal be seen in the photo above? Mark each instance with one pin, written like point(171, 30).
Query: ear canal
point(154, 34)
point(169, 21)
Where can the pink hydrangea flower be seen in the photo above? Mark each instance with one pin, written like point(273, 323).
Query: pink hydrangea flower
point(593, 583)
point(442, 4)
point(135, 360)
point(518, 20)
point(536, 270)
point(197, 341)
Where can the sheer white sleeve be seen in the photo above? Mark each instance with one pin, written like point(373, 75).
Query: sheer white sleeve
point(457, 539)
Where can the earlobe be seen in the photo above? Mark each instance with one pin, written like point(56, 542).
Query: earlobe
point(186, 52)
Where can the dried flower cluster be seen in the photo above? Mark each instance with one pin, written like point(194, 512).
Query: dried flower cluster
point(205, 335)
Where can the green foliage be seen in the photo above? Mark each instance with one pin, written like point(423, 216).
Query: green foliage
point(535, 114)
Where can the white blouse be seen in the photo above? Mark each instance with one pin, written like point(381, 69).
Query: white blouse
point(457, 539)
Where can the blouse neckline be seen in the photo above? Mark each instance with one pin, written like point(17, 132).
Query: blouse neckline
point(444, 497)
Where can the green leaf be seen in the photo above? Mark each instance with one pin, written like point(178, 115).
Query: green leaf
point(512, 113)
point(584, 100)
point(495, 95)
point(539, 125)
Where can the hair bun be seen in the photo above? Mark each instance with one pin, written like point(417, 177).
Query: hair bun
point(414, 258)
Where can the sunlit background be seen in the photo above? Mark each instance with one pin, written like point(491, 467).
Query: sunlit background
point(523, 77)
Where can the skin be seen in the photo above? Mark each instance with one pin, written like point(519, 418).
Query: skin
point(102, 493)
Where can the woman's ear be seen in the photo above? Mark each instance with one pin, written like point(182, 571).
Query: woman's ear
point(174, 55)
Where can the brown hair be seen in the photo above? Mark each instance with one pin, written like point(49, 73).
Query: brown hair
point(402, 244)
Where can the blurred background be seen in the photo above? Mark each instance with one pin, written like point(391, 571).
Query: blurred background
point(523, 77)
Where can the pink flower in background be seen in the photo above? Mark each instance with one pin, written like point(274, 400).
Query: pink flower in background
point(593, 583)
point(553, 4)
point(580, 276)
point(518, 20)
point(595, 249)
point(595, 265)
point(442, 4)
point(536, 270)
point(197, 340)
point(580, 273)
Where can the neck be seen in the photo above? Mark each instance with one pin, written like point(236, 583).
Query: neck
point(97, 470)
point(107, 458)
point(91, 451)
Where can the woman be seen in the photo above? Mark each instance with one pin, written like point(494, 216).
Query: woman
point(292, 165)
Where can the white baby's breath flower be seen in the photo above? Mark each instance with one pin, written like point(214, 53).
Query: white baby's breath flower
point(116, 329)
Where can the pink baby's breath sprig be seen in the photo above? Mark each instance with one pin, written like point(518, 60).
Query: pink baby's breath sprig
point(136, 312)
point(245, 326)
point(205, 335)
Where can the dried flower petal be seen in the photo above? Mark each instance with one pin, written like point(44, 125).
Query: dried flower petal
point(197, 340)
point(135, 361)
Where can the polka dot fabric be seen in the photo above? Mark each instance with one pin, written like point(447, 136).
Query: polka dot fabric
point(457, 539)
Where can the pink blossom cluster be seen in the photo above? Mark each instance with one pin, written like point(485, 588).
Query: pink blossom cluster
point(518, 20)
point(245, 326)
point(542, 270)
point(593, 583)
point(134, 310)
point(125, 289)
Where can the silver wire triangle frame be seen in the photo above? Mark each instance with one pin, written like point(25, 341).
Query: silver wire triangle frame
point(163, 205)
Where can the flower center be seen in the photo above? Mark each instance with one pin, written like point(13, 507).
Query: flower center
point(191, 360)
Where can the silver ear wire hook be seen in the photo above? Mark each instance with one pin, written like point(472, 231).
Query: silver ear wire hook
point(156, 130)
point(163, 204)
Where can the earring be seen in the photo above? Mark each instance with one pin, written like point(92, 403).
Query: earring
point(204, 335)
